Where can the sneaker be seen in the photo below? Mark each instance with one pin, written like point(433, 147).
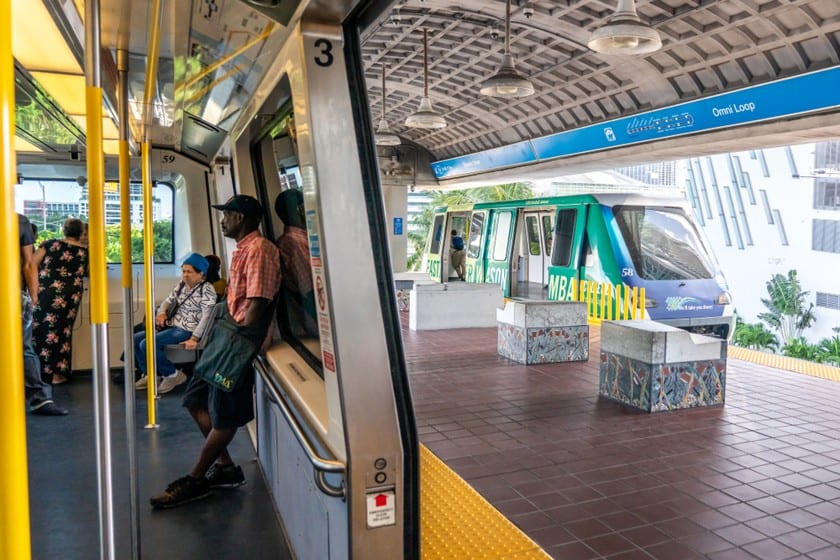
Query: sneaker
point(185, 489)
point(225, 476)
point(171, 381)
point(48, 408)
point(142, 383)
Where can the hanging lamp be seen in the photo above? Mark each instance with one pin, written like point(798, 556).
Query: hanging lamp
point(507, 82)
point(625, 33)
point(425, 116)
point(384, 136)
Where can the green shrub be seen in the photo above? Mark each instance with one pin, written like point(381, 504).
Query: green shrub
point(828, 351)
point(799, 348)
point(755, 336)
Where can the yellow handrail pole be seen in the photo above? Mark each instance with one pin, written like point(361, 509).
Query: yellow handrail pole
point(126, 259)
point(148, 225)
point(15, 542)
point(635, 302)
point(98, 277)
point(148, 276)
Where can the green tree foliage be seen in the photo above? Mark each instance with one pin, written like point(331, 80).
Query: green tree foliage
point(162, 240)
point(786, 311)
point(800, 348)
point(423, 220)
point(755, 336)
point(828, 350)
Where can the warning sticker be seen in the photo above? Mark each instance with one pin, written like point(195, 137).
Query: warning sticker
point(381, 508)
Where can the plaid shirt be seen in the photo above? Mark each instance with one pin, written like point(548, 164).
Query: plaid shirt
point(254, 273)
point(294, 259)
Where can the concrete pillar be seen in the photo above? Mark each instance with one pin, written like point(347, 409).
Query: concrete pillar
point(396, 211)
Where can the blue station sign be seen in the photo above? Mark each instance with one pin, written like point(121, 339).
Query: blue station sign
point(797, 95)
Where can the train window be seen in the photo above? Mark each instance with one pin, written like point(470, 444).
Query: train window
point(48, 204)
point(501, 234)
point(532, 226)
point(279, 178)
point(663, 243)
point(476, 229)
point(561, 254)
point(437, 228)
point(548, 232)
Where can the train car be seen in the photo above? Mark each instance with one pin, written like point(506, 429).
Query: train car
point(541, 248)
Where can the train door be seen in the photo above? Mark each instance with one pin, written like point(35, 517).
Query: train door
point(567, 250)
point(476, 247)
point(499, 264)
point(459, 223)
point(335, 428)
point(535, 254)
point(433, 251)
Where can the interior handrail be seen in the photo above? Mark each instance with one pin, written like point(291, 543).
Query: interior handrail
point(319, 464)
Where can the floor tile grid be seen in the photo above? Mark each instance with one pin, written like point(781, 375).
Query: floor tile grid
point(588, 479)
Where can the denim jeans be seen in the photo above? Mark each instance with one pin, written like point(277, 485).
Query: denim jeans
point(37, 390)
point(172, 335)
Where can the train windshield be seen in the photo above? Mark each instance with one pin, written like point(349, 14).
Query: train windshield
point(663, 243)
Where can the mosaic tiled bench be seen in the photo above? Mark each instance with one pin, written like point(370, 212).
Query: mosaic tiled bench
point(541, 332)
point(655, 367)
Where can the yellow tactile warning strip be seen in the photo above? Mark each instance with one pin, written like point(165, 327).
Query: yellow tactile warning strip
point(457, 523)
point(784, 362)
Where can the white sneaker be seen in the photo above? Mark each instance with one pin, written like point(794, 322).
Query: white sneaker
point(142, 383)
point(172, 381)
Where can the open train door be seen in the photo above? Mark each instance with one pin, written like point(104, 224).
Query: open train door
point(435, 248)
point(566, 251)
point(534, 240)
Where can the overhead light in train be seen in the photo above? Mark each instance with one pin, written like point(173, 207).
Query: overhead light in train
point(384, 136)
point(625, 33)
point(425, 116)
point(507, 82)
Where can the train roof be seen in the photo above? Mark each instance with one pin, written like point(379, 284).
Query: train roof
point(607, 199)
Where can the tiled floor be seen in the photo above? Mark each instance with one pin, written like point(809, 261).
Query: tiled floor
point(756, 479)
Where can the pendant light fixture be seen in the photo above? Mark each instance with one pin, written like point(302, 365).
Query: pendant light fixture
point(384, 136)
point(425, 116)
point(625, 33)
point(507, 82)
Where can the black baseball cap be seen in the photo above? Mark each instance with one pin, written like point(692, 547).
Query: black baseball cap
point(244, 204)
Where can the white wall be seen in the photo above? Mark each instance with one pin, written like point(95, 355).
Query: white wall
point(748, 269)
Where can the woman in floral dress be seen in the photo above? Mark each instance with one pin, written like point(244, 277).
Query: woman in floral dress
point(63, 263)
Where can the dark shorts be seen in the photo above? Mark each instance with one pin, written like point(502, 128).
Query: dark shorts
point(227, 410)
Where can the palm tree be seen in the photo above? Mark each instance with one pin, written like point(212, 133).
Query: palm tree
point(786, 310)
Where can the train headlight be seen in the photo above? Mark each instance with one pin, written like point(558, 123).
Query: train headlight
point(651, 303)
point(724, 299)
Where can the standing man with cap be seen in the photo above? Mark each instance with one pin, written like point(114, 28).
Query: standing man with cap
point(253, 282)
point(183, 317)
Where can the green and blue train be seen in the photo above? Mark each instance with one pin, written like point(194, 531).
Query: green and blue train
point(541, 248)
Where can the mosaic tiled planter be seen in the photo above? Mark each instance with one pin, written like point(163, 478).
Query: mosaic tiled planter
point(655, 367)
point(539, 332)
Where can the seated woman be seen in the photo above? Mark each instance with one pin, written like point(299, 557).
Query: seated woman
point(214, 276)
point(183, 317)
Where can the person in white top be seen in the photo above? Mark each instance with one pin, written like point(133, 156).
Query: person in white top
point(182, 318)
